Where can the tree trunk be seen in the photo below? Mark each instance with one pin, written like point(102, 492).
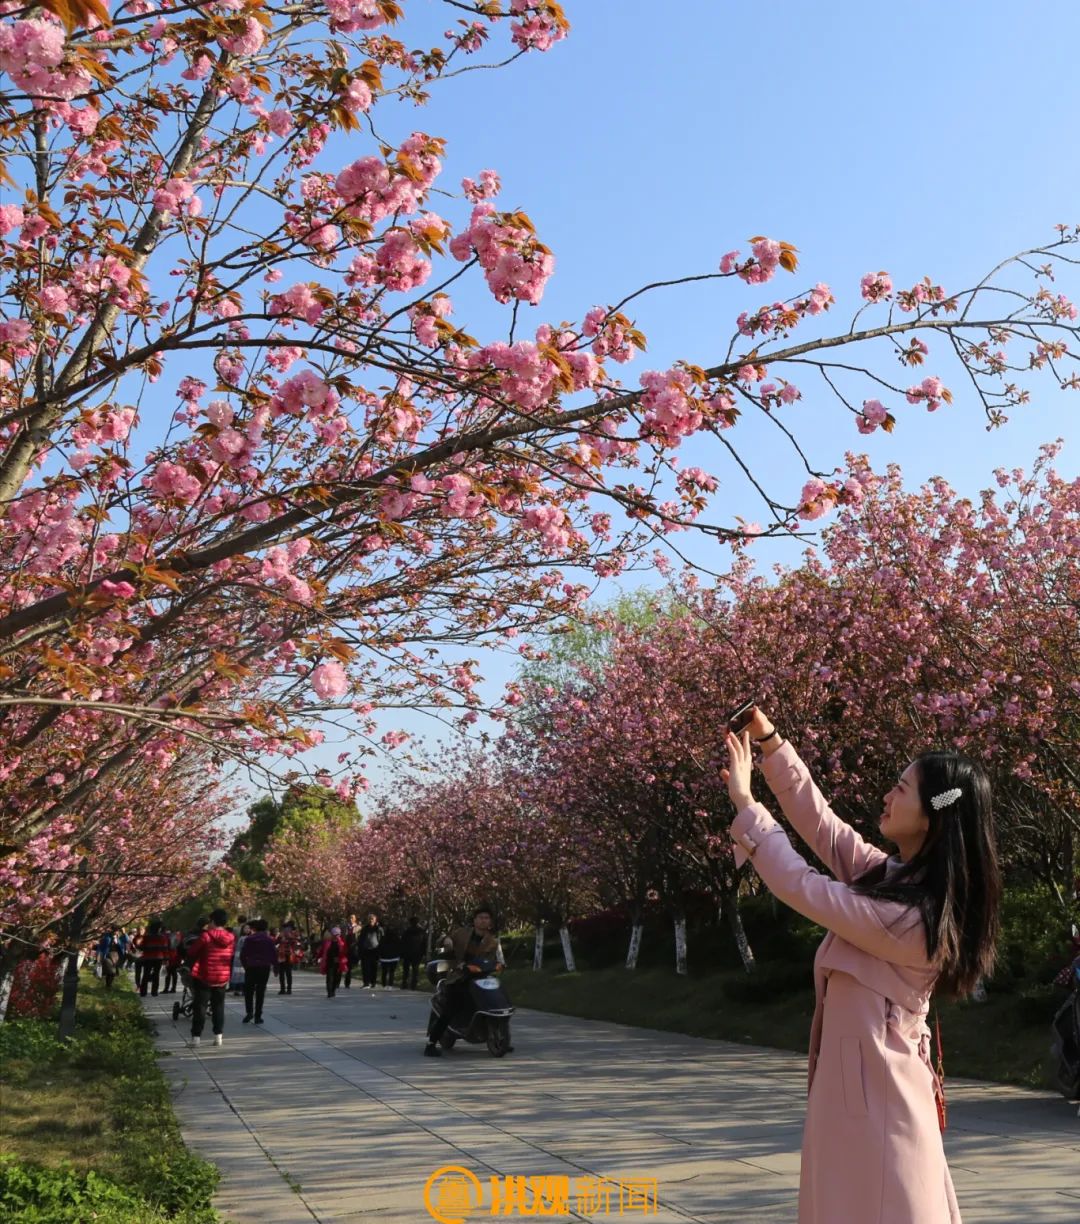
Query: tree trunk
point(69, 999)
point(746, 953)
point(680, 944)
point(567, 949)
point(9, 962)
point(978, 993)
point(635, 946)
point(538, 948)
point(431, 924)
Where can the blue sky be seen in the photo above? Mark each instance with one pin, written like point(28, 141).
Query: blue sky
point(923, 138)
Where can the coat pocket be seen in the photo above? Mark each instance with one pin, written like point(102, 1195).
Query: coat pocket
point(851, 1070)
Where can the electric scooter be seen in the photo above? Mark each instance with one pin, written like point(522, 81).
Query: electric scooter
point(484, 1016)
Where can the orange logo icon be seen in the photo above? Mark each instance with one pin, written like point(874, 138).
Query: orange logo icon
point(451, 1193)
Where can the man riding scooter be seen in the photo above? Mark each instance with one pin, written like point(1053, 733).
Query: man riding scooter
point(467, 948)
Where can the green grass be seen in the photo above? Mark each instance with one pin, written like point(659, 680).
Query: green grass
point(88, 1129)
point(1004, 1039)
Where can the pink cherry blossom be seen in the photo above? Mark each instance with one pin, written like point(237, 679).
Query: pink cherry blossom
point(171, 480)
point(11, 217)
point(876, 286)
point(329, 681)
point(248, 41)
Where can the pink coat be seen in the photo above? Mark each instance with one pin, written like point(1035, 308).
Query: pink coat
point(872, 1151)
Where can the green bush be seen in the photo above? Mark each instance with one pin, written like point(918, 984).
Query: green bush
point(30, 1194)
point(159, 1167)
point(777, 933)
point(1036, 1004)
point(768, 981)
point(180, 1183)
point(32, 1040)
point(57, 1196)
point(1034, 942)
point(1033, 946)
point(154, 1178)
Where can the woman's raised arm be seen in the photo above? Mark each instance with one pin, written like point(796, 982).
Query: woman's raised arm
point(844, 852)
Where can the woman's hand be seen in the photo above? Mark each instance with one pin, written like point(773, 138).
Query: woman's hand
point(740, 768)
point(763, 732)
point(759, 725)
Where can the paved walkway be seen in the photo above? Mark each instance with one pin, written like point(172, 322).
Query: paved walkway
point(328, 1112)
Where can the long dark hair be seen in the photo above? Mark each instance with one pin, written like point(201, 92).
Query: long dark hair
point(954, 880)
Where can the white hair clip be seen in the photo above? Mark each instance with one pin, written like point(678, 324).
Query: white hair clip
point(946, 798)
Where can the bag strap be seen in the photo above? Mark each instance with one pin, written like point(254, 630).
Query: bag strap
point(937, 1036)
point(939, 1076)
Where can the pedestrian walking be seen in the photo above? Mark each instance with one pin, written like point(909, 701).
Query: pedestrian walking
point(413, 948)
point(899, 927)
point(153, 947)
point(389, 955)
point(110, 967)
point(351, 933)
point(210, 956)
point(106, 944)
point(370, 937)
point(236, 970)
point(173, 961)
point(135, 956)
point(333, 960)
point(273, 933)
point(290, 953)
point(259, 955)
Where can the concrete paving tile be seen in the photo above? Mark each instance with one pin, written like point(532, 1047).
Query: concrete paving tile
point(334, 1096)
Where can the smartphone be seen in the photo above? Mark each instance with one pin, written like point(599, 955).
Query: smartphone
point(739, 717)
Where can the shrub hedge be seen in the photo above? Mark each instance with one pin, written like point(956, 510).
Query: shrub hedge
point(147, 1175)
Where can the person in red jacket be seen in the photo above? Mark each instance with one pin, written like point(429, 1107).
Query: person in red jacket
point(290, 954)
point(210, 958)
point(333, 960)
point(173, 962)
point(153, 945)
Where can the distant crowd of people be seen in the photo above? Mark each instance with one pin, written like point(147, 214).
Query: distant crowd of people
point(151, 953)
point(213, 959)
point(378, 950)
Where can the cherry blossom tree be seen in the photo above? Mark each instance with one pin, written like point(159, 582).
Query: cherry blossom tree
point(433, 846)
point(364, 463)
point(923, 620)
point(149, 839)
point(926, 620)
point(633, 751)
point(255, 471)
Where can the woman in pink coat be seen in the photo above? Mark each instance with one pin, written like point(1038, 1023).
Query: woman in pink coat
point(898, 927)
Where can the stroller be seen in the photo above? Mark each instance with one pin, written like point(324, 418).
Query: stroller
point(185, 1005)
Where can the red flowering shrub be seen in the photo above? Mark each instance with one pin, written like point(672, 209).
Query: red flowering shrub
point(601, 925)
point(33, 992)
